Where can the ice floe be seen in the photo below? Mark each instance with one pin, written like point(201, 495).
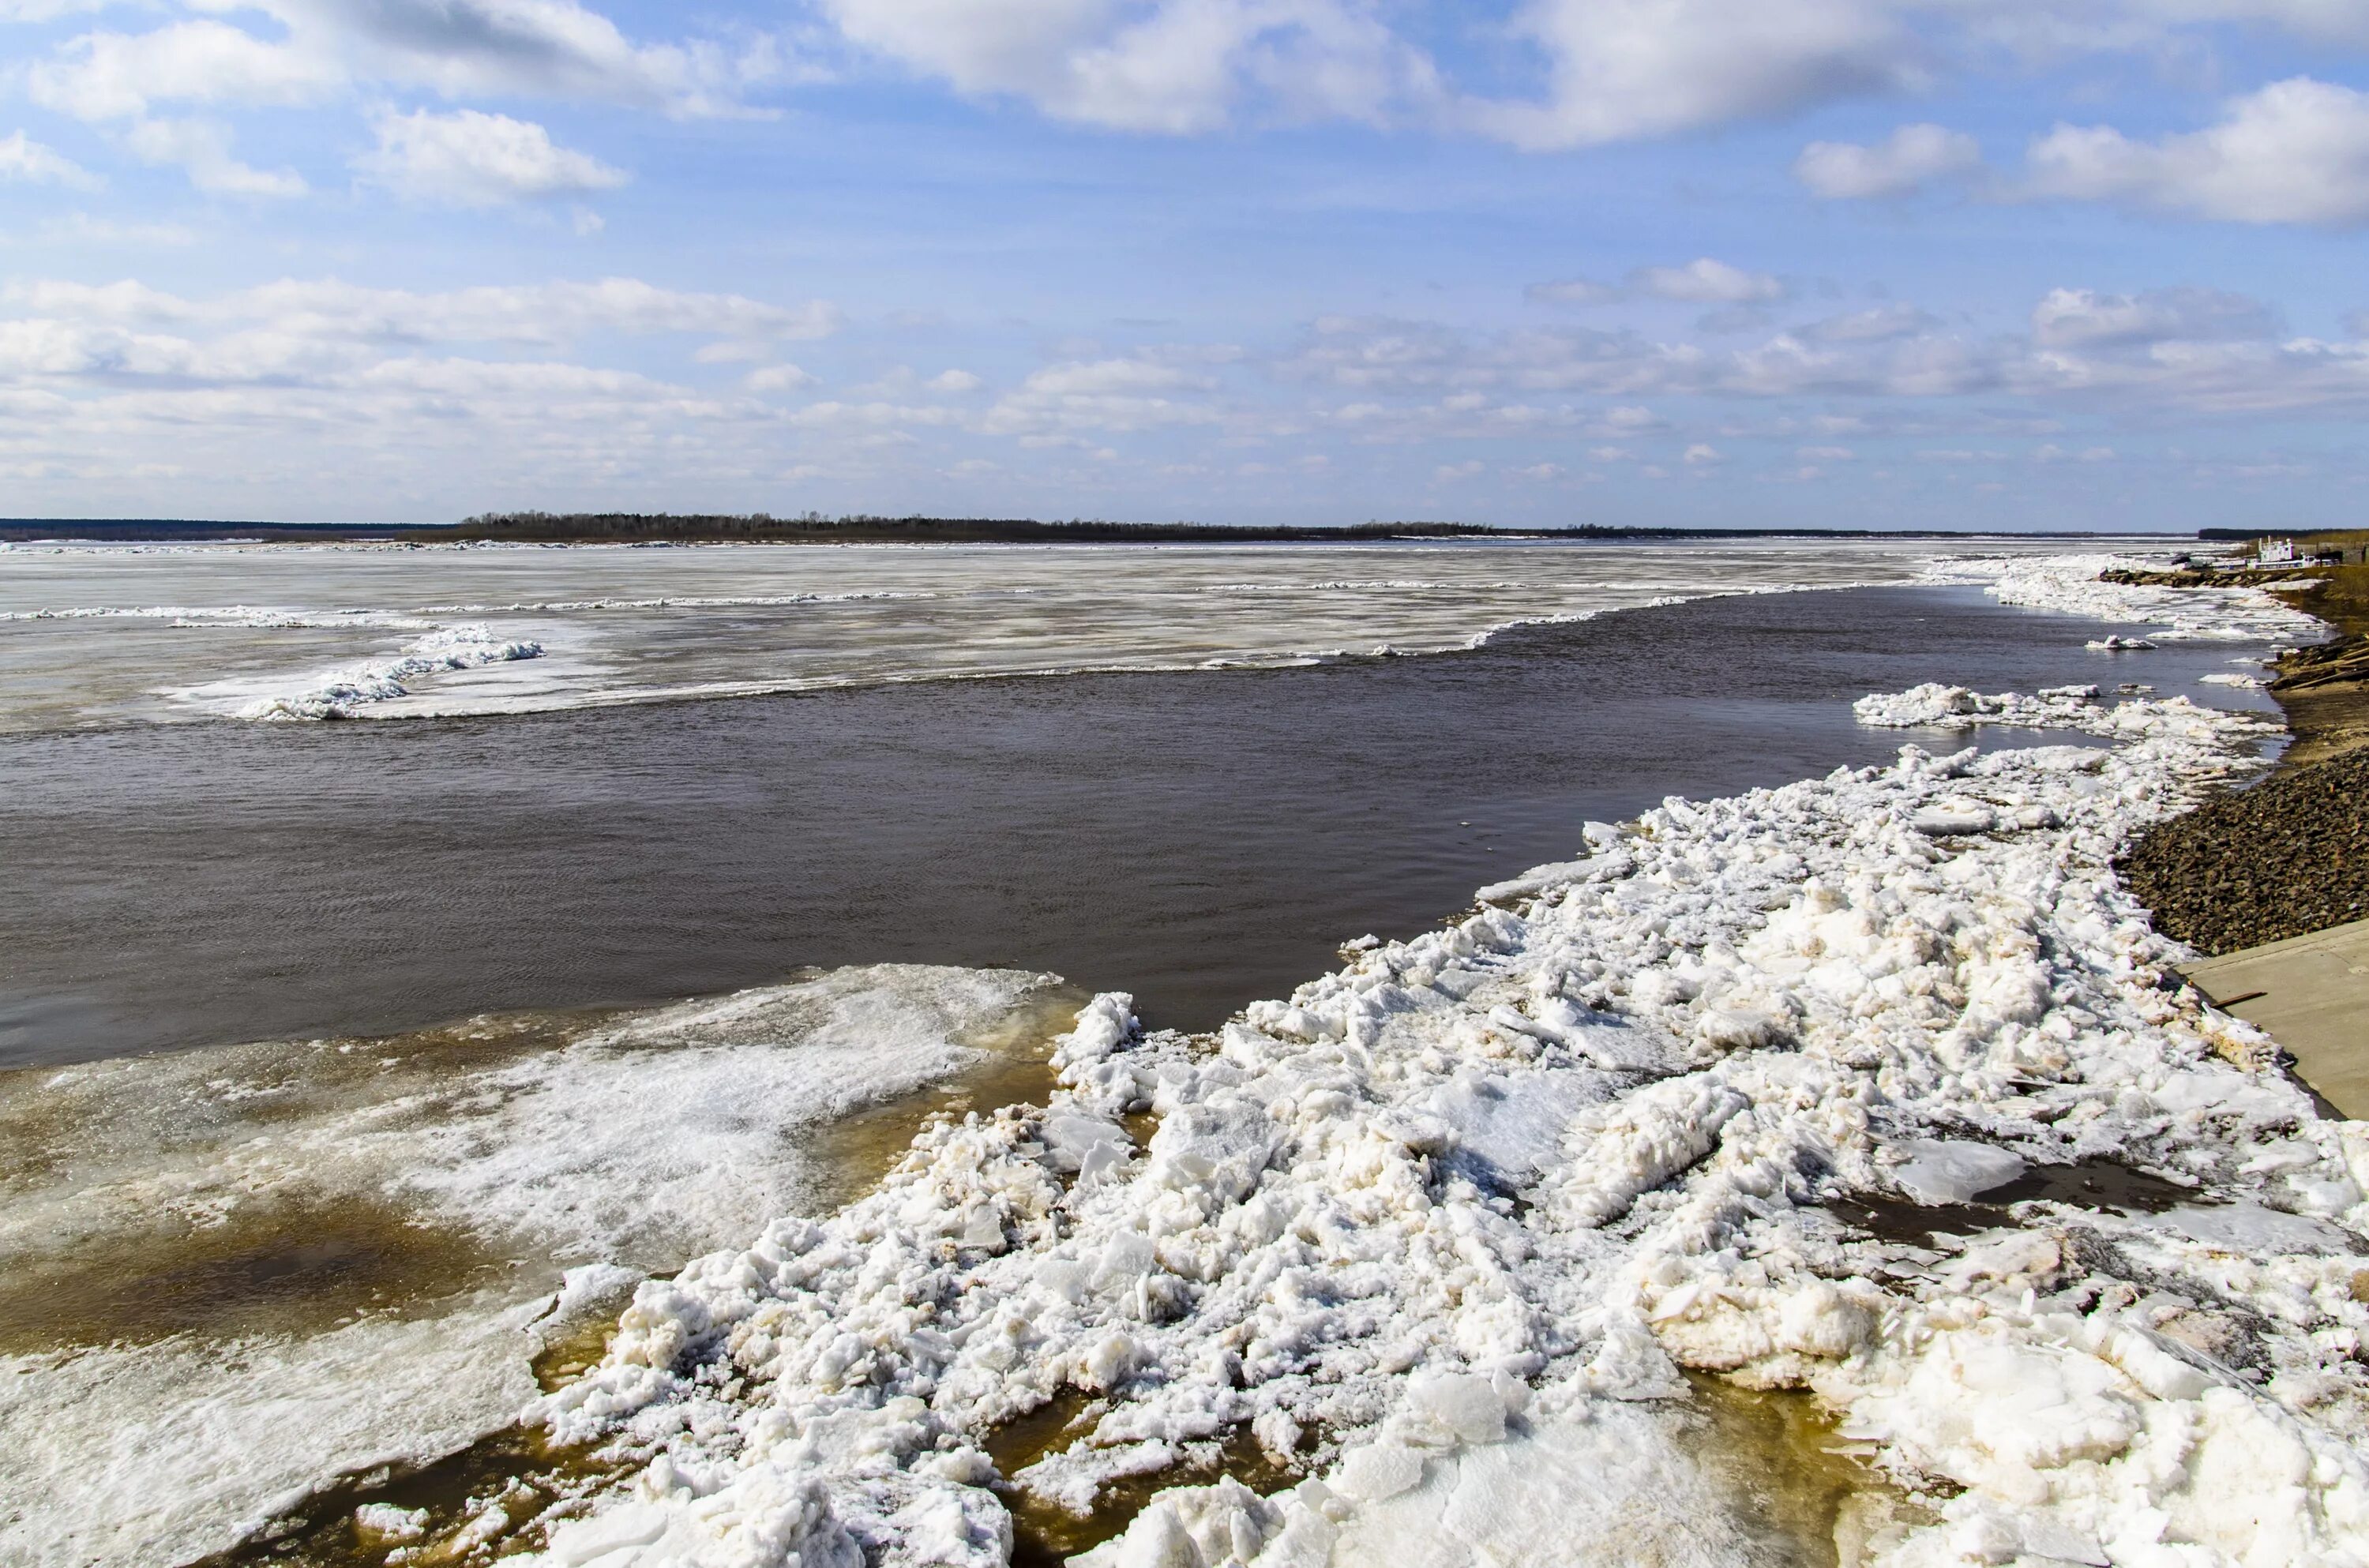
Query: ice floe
point(339, 693)
point(1443, 1230)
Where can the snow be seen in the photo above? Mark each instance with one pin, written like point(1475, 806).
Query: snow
point(1423, 1231)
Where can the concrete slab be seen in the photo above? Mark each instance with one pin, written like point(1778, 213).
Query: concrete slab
point(2311, 995)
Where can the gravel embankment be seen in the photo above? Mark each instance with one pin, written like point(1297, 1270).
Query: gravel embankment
point(2285, 858)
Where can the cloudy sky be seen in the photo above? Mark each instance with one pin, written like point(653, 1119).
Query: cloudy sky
point(2019, 263)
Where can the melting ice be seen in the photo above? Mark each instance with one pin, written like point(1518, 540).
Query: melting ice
point(228, 1275)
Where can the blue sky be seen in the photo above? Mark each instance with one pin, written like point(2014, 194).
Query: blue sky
point(1862, 263)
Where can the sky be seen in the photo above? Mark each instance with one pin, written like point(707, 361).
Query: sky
point(1991, 264)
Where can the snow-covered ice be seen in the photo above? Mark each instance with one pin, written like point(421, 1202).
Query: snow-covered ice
point(108, 635)
point(2070, 585)
point(1443, 1229)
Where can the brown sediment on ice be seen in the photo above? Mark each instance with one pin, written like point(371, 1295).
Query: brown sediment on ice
point(502, 1493)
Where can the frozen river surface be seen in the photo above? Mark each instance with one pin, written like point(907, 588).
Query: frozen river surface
point(108, 635)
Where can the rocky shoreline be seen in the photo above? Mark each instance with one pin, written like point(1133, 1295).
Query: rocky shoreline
point(2284, 858)
point(2290, 856)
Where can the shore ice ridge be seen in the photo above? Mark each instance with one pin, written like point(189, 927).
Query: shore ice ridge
point(1443, 1227)
point(2069, 584)
point(339, 693)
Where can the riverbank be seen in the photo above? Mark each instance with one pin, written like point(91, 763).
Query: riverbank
point(2289, 856)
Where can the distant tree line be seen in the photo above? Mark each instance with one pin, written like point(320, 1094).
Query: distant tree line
point(577, 526)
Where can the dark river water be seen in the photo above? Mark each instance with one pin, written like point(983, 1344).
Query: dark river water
point(1198, 839)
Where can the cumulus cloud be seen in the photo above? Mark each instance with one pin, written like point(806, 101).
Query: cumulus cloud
point(1573, 291)
point(1119, 393)
point(2080, 318)
point(1706, 282)
point(113, 75)
point(777, 378)
point(455, 48)
point(23, 159)
point(326, 310)
point(2296, 152)
point(1700, 282)
point(1880, 324)
point(1622, 69)
point(1899, 164)
point(1612, 70)
point(2194, 350)
point(201, 148)
point(1174, 65)
point(469, 159)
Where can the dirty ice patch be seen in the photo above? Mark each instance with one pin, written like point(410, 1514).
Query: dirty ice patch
point(395, 1227)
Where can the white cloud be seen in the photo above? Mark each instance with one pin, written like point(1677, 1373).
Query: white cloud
point(455, 48)
point(954, 383)
point(525, 48)
point(2192, 349)
point(113, 75)
point(1879, 325)
point(1905, 162)
point(1177, 66)
point(1700, 282)
point(201, 149)
point(777, 378)
point(1701, 455)
point(2079, 319)
point(1573, 291)
point(334, 311)
point(1706, 282)
point(1615, 70)
point(22, 158)
point(2296, 152)
point(1103, 394)
point(1103, 377)
point(469, 159)
point(1624, 69)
